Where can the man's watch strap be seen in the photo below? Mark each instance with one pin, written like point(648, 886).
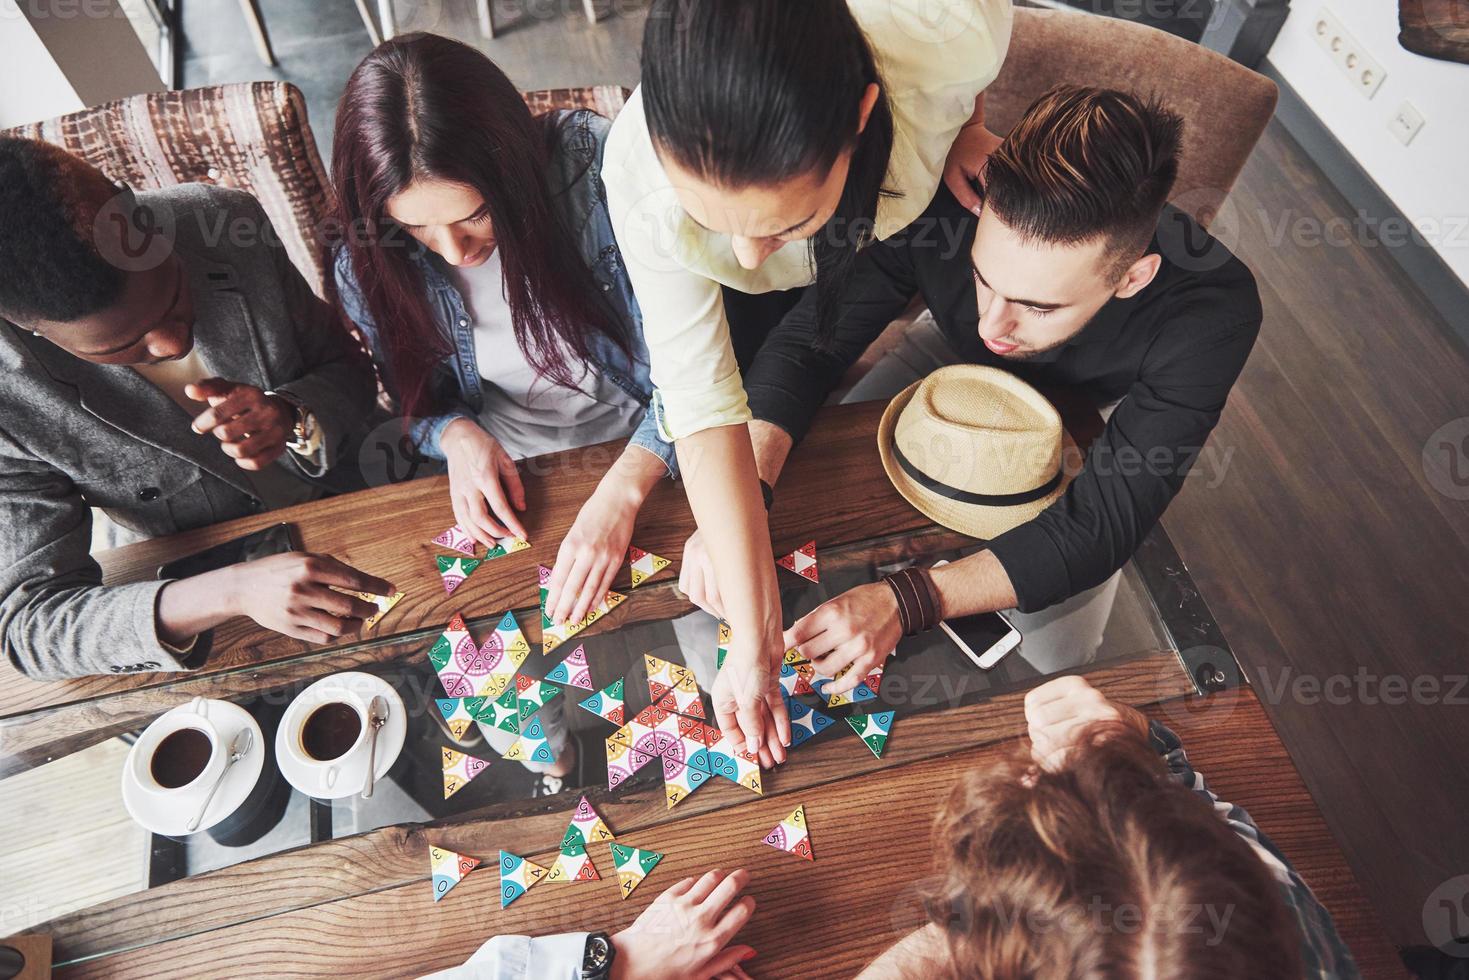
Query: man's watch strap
point(597, 961)
point(306, 433)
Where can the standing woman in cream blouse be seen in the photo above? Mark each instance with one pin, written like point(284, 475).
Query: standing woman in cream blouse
point(769, 139)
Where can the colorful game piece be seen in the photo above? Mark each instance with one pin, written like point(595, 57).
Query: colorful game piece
point(506, 546)
point(873, 729)
point(574, 863)
point(792, 835)
point(448, 869)
point(532, 695)
point(503, 712)
point(632, 866)
point(806, 721)
point(553, 635)
point(684, 699)
point(802, 561)
point(573, 867)
point(460, 713)
point(384, 603)
point(645, 565)
point(722, 650)
point(680, 779)
point(456, 539)
point(734, 764)
point(663, 675)
point(531, 746)
point(795, 679)
point(459, 769)
point(517, 875)
point(866, 690)
point(607, 703)
point(793, 657)
point(455, 570)
point(622, 761)
point(573, 671)
point(469, 671)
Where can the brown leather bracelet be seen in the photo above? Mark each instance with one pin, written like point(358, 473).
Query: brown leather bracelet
point(918, 605)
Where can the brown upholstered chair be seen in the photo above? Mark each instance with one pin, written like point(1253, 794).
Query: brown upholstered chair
point(253, 136)
point(1225, 106)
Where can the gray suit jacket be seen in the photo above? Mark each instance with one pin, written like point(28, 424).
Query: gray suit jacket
point(75, 435)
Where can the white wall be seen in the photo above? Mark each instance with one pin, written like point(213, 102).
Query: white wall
point(1427, 180)
point(32, 87)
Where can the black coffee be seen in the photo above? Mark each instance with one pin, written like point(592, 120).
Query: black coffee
point(330, 730)
point(181, 757)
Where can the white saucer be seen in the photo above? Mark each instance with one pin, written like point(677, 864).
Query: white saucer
point(171, 817)
point(352, 774)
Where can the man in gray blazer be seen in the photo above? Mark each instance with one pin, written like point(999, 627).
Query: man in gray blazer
point(160, 359)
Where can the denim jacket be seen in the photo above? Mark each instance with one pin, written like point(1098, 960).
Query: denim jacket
point(576, 184)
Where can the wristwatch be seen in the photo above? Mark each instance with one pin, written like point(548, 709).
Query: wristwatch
point(306, 432)
point(596, 963)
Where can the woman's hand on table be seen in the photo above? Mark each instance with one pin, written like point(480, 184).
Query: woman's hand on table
point(686, 933)
point(594, 549)
point(1060, 711)
point(696, 577)
point(747, 698)
point(858, 630)
point(484, 484)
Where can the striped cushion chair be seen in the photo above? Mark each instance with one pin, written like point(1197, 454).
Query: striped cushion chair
point(253, 136)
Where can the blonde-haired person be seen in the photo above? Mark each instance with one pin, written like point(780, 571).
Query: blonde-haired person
point(769, 140)
point(1103, 854)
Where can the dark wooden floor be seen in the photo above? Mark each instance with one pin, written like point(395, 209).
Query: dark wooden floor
point(1326, 551)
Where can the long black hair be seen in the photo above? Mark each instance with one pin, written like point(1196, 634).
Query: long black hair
point(754, 92)
point(426, 107)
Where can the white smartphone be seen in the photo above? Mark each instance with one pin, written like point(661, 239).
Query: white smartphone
point(985, 638)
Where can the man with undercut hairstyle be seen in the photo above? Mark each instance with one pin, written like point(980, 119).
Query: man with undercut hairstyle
point(1074, 272)
point(162, 360)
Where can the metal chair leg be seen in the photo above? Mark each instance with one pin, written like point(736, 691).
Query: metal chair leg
point(486, 17)
point(388, 18)
point(366, 13)
point(256, 24)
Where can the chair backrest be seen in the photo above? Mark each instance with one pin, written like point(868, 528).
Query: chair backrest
point(1225, 106)
point(253, 136)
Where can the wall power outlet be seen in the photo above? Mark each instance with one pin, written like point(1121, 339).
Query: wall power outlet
point(1349, 56)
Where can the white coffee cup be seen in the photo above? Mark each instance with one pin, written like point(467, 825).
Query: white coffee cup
point(301, 709)
point(193, 715)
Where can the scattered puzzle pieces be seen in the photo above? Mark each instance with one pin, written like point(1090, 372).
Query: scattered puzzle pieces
point(873, 729)
point(448, 869)
point(792, 835)
point(517, 876)
point(503, 712)
point(484, 672)
point(802, 561)
point(607, 703)
point(806, 722)
point(632, 866)
point(645, 565)
point(552, 634)
point(456, 539)
point(506, 546)
point(460, 713)
point(574, 863)
point(459, 769)
point(673, 688)
point(532, 695)
point(573, 671)
point(455, 570)
point(531, 746)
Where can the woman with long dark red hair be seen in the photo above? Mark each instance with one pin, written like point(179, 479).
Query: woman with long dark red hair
point(479, 262)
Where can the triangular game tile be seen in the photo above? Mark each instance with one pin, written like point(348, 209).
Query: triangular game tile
point(455, 570)
point(632, 866)
point(531, 746)
point(573, 671)
point(448, 868)
point(644, 565)
point(873, 729)
point(517, 876)
point(459, 769)
point(792, 835)
point(607, 703)
point(456, 539)
point(802, 561)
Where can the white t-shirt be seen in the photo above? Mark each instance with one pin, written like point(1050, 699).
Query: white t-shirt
point(528, 414)
point(935, 58)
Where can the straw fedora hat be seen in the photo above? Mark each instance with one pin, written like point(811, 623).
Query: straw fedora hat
point(975, 449)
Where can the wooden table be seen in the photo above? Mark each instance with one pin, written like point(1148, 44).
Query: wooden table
point(361, 905)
